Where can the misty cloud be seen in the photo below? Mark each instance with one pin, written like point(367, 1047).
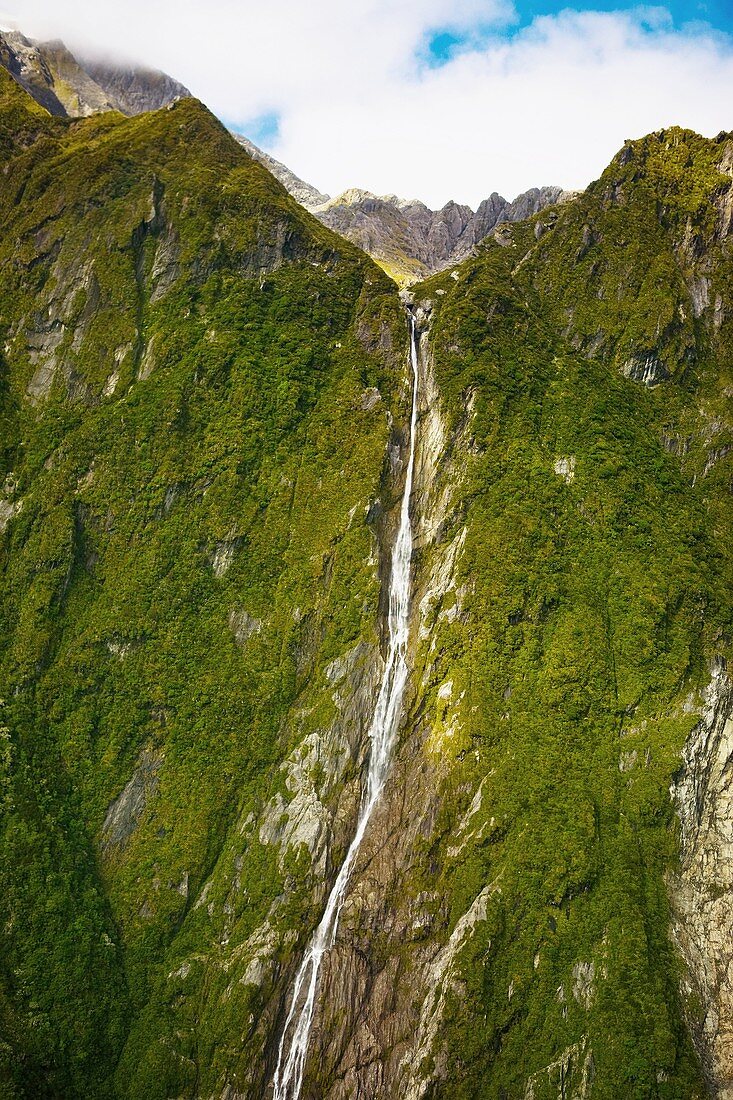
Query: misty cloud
point(358, 104)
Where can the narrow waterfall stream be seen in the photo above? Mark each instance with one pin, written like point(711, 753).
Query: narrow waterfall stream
point(293, 1049)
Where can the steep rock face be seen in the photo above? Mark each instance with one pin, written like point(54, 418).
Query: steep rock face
point(597, 671)
point(407, 238)
point(702, 887)
point(393, 949)
point(134, 90)
point(306, 195)
point(411, 241)
point(51, 75)
point(67, 86)
point(515, 918)
point(204, 404)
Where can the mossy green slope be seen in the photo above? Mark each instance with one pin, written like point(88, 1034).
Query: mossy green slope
point(197, 386)
point(594, 592)
point(188, 463)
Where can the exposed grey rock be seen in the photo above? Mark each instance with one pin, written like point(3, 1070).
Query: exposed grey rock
point(699, 288)
point(166, 268)
point(317, 766)
point(222, 556)
point(569, 1077)
point(702, 890)
point(411, 241)
point(306, 195)
point(68, 86)
point(370, 399)
point(124, 814)
point(242, 625)
point(147, 362)
point(135, 89)
point(51, 75)
point(676, 444)
point(564, 467)
point(43, 342)
point(584, 974)
point(716, 455)
point(647, 369)
point(8, 509)
point(627, 761)
point(415, 1082)
point(54, 335)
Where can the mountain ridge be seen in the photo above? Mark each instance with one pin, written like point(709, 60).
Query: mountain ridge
point(405, 237)
point(408, 239)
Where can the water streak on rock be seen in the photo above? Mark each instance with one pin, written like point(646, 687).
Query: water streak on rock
point(382, 734)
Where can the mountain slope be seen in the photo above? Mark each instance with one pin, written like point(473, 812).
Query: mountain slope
point(134, 90)
point(204, 398)
point(186, 356)
point(406, 238)
point(541, 909)
point(306, 194)
point(578, 670)
point(51, 75)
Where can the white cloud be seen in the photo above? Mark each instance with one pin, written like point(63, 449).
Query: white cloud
point(550, 104)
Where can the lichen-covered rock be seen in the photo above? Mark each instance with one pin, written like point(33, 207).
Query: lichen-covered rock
point(702, 887)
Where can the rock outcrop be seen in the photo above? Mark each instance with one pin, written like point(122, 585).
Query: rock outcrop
point(50, 73)
point(406, 238)
point(307, 195)
point(204, 408)
point(68, 86)
point(702, 888)
point(134, 90)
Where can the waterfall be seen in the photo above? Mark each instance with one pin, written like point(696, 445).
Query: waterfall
point(382, 734)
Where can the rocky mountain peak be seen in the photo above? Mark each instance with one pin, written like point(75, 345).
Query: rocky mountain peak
point(70, 87)
point(411, 241)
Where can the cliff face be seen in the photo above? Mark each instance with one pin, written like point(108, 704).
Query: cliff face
point(134, 90)
point(410, 241)
point(702, 886)
point(532, 914)
point(589, 350)
point(204, 403)
point(51, 75)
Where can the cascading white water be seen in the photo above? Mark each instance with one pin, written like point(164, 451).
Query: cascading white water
point(382, 733)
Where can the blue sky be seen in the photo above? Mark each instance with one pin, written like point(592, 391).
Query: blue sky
point(716, 12)
point(443, 44)
point(434, 99)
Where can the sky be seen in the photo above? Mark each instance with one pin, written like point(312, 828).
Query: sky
point(429, 99)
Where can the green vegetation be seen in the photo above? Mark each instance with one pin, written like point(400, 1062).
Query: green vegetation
point(190, 465)
point(183, 441)
point(593, 605)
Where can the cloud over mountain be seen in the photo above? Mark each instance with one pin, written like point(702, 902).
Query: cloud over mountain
point(349, 95)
